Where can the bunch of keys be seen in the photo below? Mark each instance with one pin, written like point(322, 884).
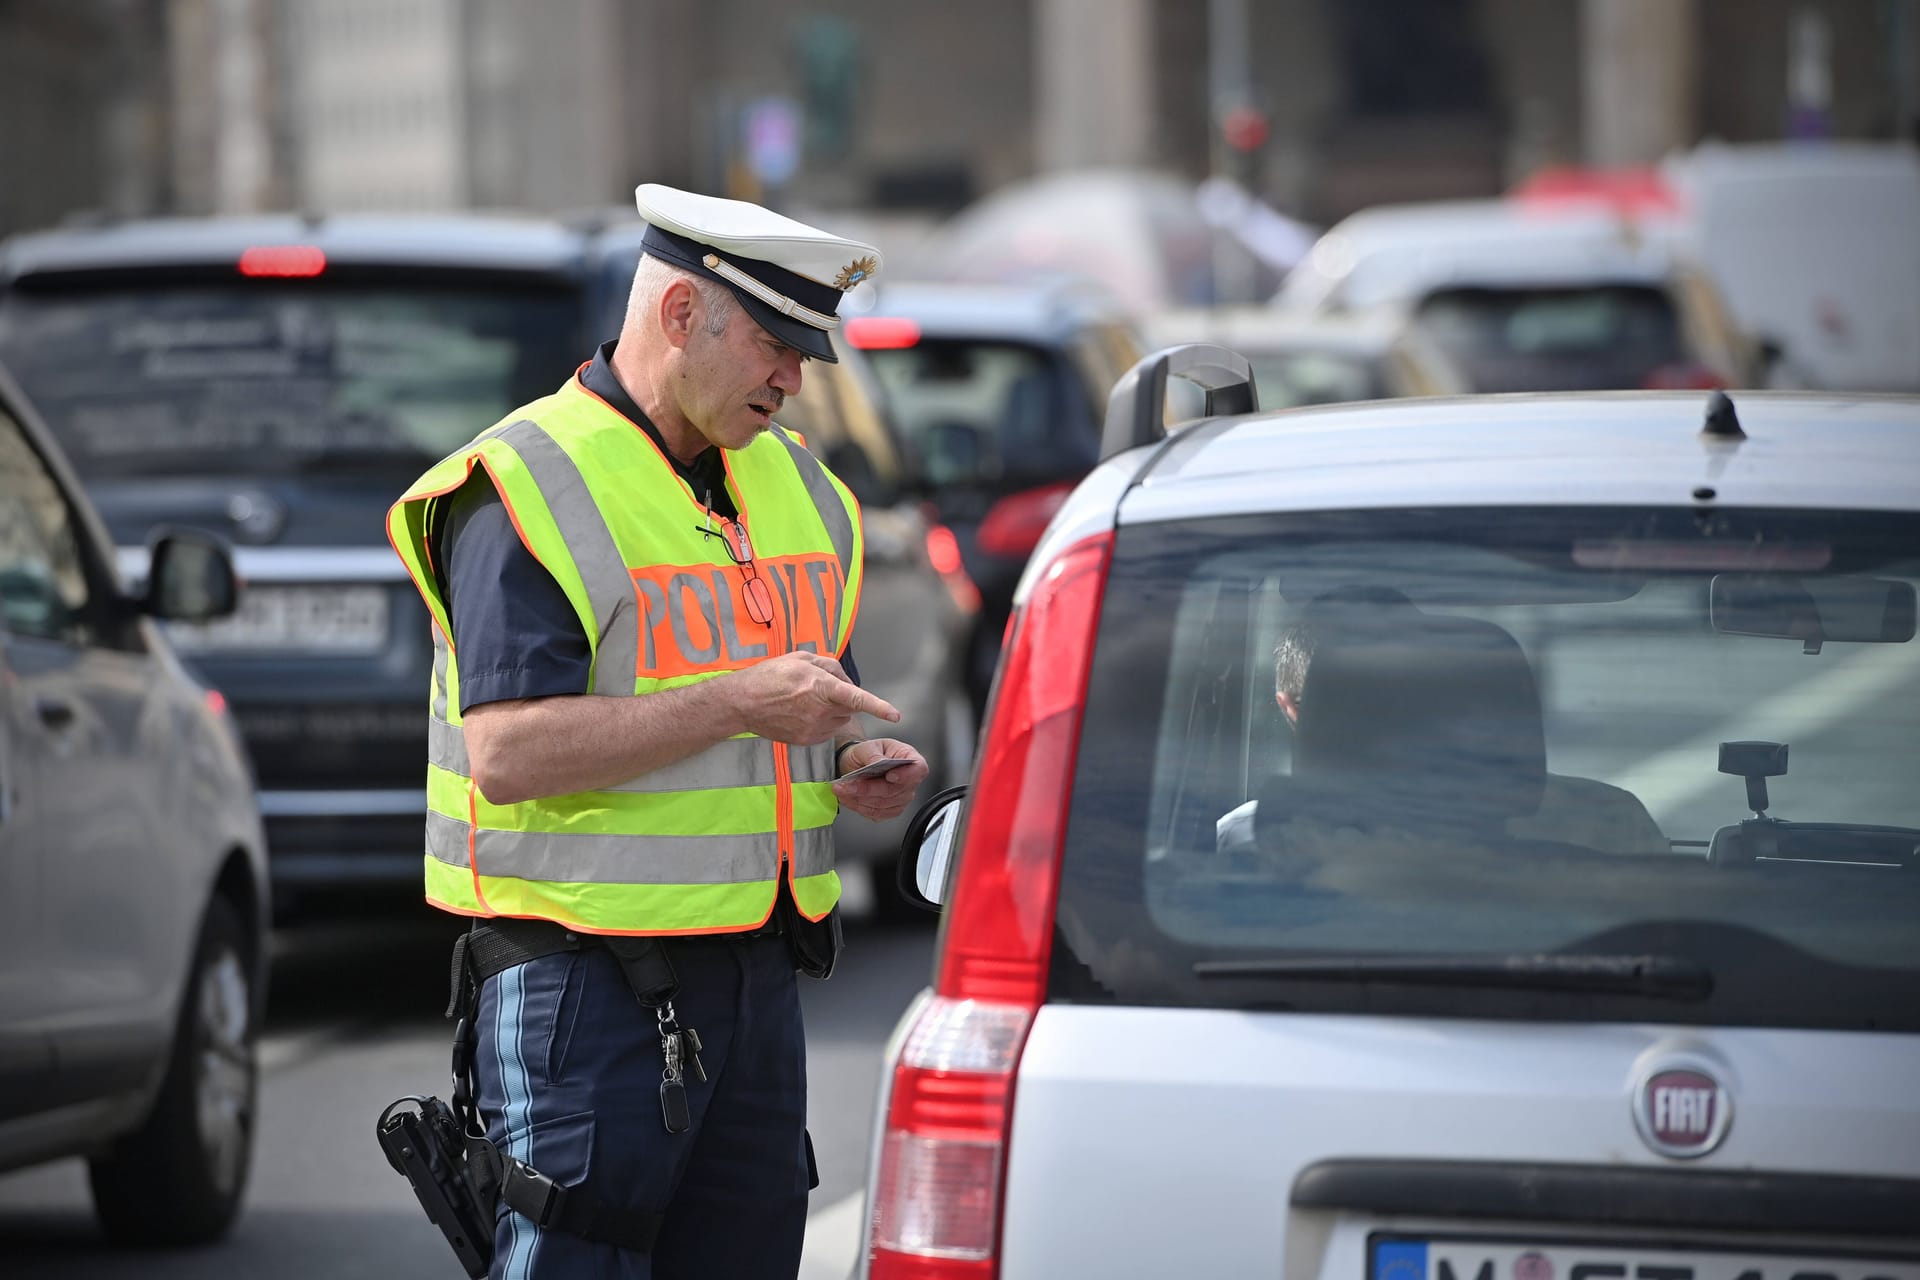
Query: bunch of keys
point(680, 1047)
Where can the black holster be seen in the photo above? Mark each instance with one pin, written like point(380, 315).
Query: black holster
point(442, 1149)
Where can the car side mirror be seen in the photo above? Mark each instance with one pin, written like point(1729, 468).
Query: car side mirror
point(190, 578)
point(928, 850)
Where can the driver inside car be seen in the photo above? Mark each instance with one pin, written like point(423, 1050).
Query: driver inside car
point(1477, 676)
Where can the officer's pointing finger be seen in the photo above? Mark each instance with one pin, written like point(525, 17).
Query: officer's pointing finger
point(854, 698)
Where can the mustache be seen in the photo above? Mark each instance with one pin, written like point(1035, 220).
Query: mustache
point(771, 397)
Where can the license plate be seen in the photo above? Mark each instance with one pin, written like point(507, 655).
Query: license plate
point(334, 620)
point(1486, 1258)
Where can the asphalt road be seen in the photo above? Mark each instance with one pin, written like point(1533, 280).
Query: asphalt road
point(354, 1022)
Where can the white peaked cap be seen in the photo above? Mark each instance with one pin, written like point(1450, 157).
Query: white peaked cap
point(789, 276)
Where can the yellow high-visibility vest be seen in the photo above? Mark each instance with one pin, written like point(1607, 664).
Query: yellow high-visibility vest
point(700, 845)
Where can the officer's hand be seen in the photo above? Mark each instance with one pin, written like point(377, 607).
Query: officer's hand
point(802, 699)
point(885, 795)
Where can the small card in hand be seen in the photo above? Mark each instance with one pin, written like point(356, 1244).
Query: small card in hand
point(872, 770)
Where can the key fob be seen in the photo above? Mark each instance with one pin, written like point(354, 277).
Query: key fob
point(690, 1044)
point(673, 1106)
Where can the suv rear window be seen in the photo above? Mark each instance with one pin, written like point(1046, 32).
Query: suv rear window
point(1587, 339)
point(983, 413)
point(282, 378)
point(1497, 786)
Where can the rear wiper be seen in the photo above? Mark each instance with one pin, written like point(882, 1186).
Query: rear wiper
point(1669, 977)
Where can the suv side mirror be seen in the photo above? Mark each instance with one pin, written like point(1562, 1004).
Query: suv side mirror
point(190, 578)
point(925, 868)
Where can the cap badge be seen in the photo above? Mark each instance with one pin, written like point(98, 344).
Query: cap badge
point(854, 272)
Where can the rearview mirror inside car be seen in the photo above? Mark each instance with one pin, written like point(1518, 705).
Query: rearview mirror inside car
point(191, 578)
point(1812, 610)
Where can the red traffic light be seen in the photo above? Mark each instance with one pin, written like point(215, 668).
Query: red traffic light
point(1244, 129)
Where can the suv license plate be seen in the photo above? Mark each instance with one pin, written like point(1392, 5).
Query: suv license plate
point(293, 619)
point(1486, 1258)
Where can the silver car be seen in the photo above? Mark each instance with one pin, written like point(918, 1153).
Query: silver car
point(133, 946)
point(1455, 839)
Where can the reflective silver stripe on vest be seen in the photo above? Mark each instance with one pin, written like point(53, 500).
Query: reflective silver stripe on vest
point(604, 859)
point(826, 500)
point(446, 838)
point(737, 762)
point(440, 678)
point(813, 851)
point(811, 764)
point(595, 555)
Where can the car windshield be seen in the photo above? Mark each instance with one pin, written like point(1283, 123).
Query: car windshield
point(1587, 339)
point(277, 379)
point(978, 413)
point(1454, 742)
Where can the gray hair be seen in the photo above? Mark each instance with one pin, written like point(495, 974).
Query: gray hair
point(650, 281)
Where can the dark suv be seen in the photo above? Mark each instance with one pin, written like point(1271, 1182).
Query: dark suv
point(278, 381)
point(998, 392)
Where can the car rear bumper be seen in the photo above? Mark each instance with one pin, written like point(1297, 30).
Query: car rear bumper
point(339, 838)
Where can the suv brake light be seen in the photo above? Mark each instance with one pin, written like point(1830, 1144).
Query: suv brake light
point(882, 333)
point(1013, 526)
point(937, 1197)
point(289, 261)
point(943, 553)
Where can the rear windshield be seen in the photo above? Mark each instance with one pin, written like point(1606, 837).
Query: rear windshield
point(275, 379)
point(1461, 742)
point(1587, 339)
point(988, 413)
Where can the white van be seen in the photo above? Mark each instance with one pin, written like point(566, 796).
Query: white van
point(1816, 248)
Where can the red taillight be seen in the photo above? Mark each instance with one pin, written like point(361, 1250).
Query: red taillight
point(1684, 375)
point(284, 260)
point(216, 702)
point(1013, 525)
point(1628, 191)
point(943, 553)
point(937, 1198)
point(882, 333)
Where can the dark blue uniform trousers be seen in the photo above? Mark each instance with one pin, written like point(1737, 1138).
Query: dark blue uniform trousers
point(569, 1065)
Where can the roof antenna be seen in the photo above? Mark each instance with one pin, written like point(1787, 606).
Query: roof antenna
point(1723, 424)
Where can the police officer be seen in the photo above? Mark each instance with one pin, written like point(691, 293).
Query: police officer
point(643, 703)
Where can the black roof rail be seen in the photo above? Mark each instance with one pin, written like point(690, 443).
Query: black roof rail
point(1136, 411)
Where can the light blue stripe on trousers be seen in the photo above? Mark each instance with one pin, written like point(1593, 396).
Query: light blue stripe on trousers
point(518, 1118)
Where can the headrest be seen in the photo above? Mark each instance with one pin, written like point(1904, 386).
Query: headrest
point(1433, 720)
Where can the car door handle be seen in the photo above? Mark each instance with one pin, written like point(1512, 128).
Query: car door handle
point(55, 713)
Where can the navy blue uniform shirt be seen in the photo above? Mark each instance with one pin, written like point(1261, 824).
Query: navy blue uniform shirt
point(516, 631)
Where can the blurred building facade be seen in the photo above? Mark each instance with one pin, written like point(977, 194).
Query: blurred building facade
point(137, 106)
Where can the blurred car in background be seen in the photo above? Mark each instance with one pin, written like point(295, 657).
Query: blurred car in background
point(916, 605)
point(1302, 360)
point(1148, 240)
point(278, 381)
point(998, 393)
point(133, 948)
point(1534, 295)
